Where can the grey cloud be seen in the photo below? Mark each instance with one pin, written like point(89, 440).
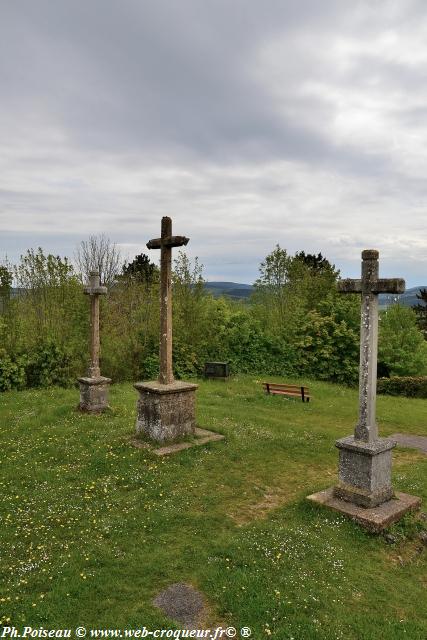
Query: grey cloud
point(101, 98)
point(170, 80)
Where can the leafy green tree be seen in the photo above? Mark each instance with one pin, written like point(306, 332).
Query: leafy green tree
point(317, 263)
point(50, 308)
point(320, 277)
point(6, 279)
point(190, 315)
point(130, 341)
point(140, 270)
point(271, 286)
point(288, 288)
point(402, 347)
point(421, 311)
point(277, 302)
point(329, 340)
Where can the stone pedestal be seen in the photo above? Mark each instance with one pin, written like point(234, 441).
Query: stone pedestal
point(364, 472)
point(166, 412)
point(94, 394)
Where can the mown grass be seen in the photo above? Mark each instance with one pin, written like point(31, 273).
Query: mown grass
point(92, 528)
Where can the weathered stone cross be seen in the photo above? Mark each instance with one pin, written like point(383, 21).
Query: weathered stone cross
point(370, 285)
point(165, 244)
point(364, 490)
point(94, 290)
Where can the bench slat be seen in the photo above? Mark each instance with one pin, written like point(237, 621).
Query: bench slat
point(293, 391)
point(298, 389)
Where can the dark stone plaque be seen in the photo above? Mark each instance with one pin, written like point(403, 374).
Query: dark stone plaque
point(217, 370)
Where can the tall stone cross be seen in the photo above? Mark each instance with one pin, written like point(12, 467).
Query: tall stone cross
point(165, 244)
point(365, 460)
point(94, 290)
point(370, 285)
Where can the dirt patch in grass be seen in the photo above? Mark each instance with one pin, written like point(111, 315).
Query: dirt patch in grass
point(267, 498)
point(401, 458)
point(186, 605)
point(407, 552)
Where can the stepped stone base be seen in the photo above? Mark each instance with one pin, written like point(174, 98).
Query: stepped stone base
point(94, 394)
point(201, 436)
point(374, 519)
point(166, 412)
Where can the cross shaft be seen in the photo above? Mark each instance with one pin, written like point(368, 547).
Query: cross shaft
point(369, 286)
point(165, 243)
point(94, 290)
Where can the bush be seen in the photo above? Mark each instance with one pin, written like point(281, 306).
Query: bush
point(402, 348)
point(12, 372)
point(329, 349)
point(410, 387)
point(49, 364)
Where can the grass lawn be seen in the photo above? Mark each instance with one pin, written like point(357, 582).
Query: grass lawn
point(92, 528)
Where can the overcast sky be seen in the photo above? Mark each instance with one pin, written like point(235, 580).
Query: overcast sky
point(249, 122)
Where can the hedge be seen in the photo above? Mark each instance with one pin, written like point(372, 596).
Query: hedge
point(411, 387)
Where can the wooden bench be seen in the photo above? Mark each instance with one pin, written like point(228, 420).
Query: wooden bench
point(293, 391)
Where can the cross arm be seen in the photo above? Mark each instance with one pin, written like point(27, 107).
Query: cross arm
point(95, 291)
point(169, 241)
point(349, 285)
point(154, 244)
point(381, 285)
point(389, 285)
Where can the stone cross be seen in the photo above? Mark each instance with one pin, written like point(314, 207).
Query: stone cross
point(370, 285)
point(165, 244)
point(94, 290)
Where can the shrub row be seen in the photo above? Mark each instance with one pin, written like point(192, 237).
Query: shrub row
point(49, 364)
point(410, 387)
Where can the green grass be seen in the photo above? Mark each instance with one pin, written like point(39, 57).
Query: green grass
point(92, 528)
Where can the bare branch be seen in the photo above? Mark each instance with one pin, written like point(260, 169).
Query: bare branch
point(98, 253)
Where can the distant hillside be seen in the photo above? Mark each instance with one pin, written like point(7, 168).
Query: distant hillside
point(408, 299)
point(231, 289)
point(241, 291)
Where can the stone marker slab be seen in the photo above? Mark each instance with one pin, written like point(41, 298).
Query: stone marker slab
point(217, 370)
point(375, 519)
point(183, 603)
point(411, 442)
point(202, 436)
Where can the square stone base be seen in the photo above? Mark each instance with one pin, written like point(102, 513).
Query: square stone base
point(94, 394)
point(166, 412)
point(375, 519)
point(364, 474)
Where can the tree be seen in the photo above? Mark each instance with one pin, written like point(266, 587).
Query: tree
point(6, 279)
point(289, 287)
point(50, 305)
point(320, 280)
point(98, 253)
point(38, 271)
point(189, 313)
point(421, 311)
point(131, 321)
point(271, 290)
point(402, 348)
point(329, 340)
point(317, 264)
point(140, 270)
